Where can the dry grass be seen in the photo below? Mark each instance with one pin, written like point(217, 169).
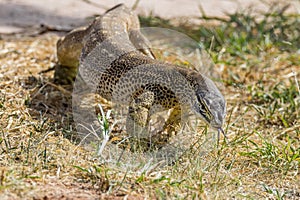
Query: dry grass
point(41, 159)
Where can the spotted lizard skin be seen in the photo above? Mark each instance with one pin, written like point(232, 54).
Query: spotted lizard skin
point(116, 61)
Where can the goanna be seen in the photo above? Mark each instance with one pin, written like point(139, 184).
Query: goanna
point(116, 60)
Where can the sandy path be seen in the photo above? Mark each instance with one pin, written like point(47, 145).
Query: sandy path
point(17, 14)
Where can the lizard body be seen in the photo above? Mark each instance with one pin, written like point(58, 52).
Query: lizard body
point(115, 59)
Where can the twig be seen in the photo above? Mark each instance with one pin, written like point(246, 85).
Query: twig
point(135, 5)
point(205, 17)
point(63, 90)
point(95, 4)
point(214, 18)
point(33, 31)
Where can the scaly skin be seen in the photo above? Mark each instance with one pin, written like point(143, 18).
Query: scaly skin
point(115, 60)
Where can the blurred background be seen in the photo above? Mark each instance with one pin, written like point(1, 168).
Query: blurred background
point(15, 15)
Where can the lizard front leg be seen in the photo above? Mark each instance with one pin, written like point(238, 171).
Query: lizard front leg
point(138, 120)
point(139, 116)
point(171, 128)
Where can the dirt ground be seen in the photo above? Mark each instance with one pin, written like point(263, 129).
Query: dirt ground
point(38, 53)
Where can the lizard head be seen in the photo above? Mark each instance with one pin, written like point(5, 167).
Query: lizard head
point(210, 104)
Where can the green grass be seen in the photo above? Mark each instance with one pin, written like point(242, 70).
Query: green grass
point(243, 32)
point(276, 104)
